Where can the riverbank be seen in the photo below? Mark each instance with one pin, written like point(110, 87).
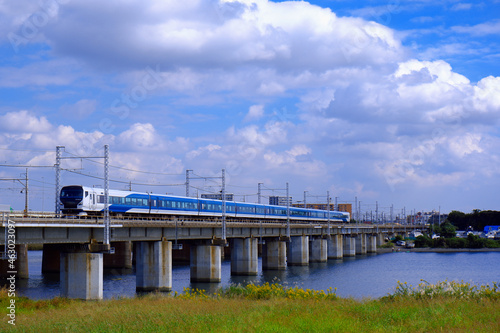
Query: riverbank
point(433, 250)
point(266, 309)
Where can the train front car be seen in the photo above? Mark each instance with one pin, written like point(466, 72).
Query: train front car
point(72, 200)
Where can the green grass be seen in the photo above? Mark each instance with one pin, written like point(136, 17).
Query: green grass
point(269, 308)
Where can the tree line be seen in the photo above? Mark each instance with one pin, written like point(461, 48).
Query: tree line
point(456, 220)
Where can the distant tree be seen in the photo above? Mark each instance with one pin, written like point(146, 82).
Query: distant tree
point(423, 241)
point(458, 219)
point(456, 243)
point(474, 242)
point(398, 238)
point(439, 242)
point(448, 230)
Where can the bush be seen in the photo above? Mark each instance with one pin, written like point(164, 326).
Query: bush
point(475, 242)
point(439, 242)
point(423, 241)
point(456, 243)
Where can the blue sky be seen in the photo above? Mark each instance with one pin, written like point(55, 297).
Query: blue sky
point(395, 102)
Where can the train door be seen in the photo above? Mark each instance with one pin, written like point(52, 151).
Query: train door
point(92, 200)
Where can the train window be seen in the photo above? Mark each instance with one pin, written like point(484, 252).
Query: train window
point(86, 194)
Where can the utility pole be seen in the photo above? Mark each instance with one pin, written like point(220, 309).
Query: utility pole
point(26, 196)
point(287, 213)
point(360, 215)
point(356, 215)
point(224, 205)
point(439, 216)
point(392, 211)
point(106, 196)
point(305, 199)
point(328, 204)
point(58, 178)
point(336, 208)
point(259, 192)
point(187, 182)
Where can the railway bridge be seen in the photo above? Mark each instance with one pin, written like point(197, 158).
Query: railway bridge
point(76, 247)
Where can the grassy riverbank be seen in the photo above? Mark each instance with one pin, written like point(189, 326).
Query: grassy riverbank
point(271, 308)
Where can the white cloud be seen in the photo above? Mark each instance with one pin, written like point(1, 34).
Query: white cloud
point(79, 110)
point(140, 137)
point(254, 113)
point(24, 122)
point(482, 29)
point(487, 95)
point(461, 6)
point(287, 36)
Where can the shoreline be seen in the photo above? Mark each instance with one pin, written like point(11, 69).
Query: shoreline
point(434, 249)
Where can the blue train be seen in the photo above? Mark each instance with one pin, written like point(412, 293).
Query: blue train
point(82, 200)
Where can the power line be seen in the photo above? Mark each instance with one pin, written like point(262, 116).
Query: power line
point(133, 170)
point(30, 150)
point(25, 166)
point(121, 181)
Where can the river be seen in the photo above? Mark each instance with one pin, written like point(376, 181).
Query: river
point(364, 276)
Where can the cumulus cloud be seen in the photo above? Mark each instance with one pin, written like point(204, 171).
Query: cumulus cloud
point(24, 122)
point(255, 112)
point(287, 36)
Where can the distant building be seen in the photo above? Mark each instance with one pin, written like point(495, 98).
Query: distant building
point(342, 207)
point(279, 201)
point(217, 196)
point(436, 219)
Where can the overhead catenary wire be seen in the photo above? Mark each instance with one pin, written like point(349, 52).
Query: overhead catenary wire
point(120, 181)
point(138, 171)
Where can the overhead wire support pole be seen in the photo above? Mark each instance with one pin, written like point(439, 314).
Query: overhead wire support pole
point(187, 182)
point(106, 196)
point(107, 236)
point(26, 195)
point(287, 213)
point(259, 193)
point(59, 149)
point(224, 205)
point(328, 205)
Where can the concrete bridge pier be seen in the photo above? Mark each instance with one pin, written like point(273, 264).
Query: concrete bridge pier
point(298, 251)
point(335, 247)
point(318, 248)
point(154, 266)
point(371, 243)
point(274, 254)
point(81, 275)
point(19, 265)
point(361, 244)
point(349, 246)
point(51, 258)
point(244, 256)
point(206, 263)
point(122, 258)
point(381, 239)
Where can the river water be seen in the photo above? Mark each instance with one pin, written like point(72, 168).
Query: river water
point(365, 276)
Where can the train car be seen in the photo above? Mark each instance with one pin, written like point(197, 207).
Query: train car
point(82, 200)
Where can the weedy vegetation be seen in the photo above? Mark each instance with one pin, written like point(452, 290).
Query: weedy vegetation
point(444, 306)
